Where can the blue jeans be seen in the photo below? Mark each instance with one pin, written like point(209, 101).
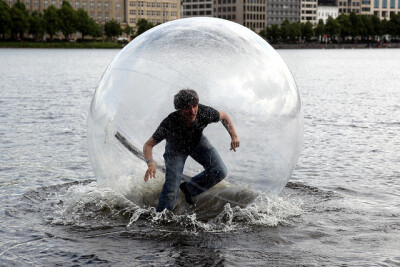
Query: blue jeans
point(206, 155)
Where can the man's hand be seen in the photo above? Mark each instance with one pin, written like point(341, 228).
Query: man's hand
point(226, 121)
point(235, 143)
point(151, 171)
point(148, 155)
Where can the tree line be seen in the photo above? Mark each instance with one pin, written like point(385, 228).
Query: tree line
point(345, 28)
point(16, 22)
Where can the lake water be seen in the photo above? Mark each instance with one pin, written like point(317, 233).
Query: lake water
point(341, 206)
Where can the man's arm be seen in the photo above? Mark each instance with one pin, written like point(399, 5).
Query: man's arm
point(148, 156)
point(226, 121)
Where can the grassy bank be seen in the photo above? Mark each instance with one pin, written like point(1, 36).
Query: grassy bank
point(60, 45)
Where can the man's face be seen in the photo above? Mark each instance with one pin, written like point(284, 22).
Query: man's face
point(189, 113)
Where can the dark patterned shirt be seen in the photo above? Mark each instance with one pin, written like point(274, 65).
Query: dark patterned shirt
point(181, 137)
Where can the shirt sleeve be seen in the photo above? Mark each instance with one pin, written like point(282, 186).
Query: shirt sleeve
point(160, 133)
point(211, 114)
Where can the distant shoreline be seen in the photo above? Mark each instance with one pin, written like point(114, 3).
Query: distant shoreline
point(115, 45)
point(68, 45)
point(334, 46)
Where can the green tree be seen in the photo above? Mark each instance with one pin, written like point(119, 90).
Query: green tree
point(376, 22)
point(84, 25)
point(36, 24)
point(263, 33)
point(284, 30)
point(332, 27)
point(273, 33)
point(143, 25)
point(129, 30)
point(385, 26)
point(112, 28)
point(19, 19)
point(5, 18)
point(320, 29)
point(368, 27)
point(97, 29)
point(307, 31)
point(394, 25)
point(67, 19)
point(294, 32)
point(50, 16)
point(345, 28)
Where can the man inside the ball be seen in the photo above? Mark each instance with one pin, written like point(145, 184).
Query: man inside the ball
point(183, 132)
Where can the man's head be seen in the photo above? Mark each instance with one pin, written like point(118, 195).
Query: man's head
point(185, 98)
point(187, 102)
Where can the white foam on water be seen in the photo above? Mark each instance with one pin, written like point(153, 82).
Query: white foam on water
point(95, 207)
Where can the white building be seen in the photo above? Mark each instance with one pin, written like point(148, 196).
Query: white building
point(323, 12)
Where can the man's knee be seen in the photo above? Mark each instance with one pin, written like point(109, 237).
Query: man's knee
point(222, 171)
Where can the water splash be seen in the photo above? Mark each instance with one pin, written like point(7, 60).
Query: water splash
point(91, 206)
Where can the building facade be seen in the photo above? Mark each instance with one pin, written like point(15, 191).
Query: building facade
point(154, 11)
point(309, 11)
point(254, 16)
point(348, 6)
point(100, 11)
point(249, 13)
point(323, 12)
point(196, 8)
point(280, 10)
point(381, 8)
point(122, 11)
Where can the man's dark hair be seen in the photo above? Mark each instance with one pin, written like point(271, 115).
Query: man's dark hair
point(185, 98)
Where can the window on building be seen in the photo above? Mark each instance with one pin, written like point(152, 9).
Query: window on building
point(118, 18)
point(28, 3)
point(384, 3)
point(99, 6)
point(376, 3)
point(91, 5)
point(99, 17)
point(76, 5)
point(106, 6)
point(392, 3)
point(54, 2)
point(84, 5)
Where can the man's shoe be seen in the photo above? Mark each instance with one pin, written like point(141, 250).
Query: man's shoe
point(188, 196)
